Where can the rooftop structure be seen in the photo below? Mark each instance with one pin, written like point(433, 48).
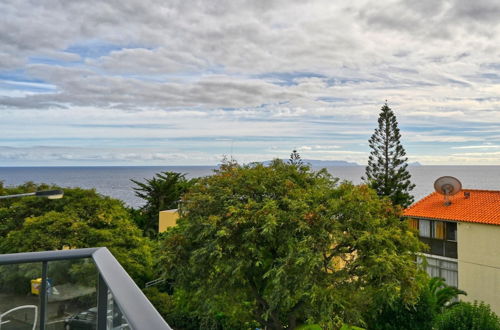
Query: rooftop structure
point(469, 205)
point(463, 235)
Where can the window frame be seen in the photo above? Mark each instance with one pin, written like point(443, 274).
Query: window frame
point(438, 263)
point(442, 247)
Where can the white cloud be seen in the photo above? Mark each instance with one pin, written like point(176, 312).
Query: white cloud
point(282, 73)
point(478, 147)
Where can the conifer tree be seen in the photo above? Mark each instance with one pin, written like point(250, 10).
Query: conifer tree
point(295, 158)
point(387, 171)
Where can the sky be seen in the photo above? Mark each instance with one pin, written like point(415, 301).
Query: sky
point(181, 82)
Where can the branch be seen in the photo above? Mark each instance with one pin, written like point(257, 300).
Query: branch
point(292, 318)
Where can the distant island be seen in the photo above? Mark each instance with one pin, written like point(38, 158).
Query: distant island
point(316, 162)
point(323, 163)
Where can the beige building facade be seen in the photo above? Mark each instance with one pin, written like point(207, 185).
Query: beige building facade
point(167, 219)
point(479, 263)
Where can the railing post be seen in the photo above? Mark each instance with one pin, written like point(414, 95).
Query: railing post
point(102, 303)
point(43, 296)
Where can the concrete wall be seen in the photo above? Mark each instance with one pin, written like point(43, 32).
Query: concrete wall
point(167, 218)
point(479, 263)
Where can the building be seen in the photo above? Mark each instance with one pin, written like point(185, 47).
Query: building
point(463, 236)
point(167, 219)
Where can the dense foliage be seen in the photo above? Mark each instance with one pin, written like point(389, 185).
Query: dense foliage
point(81, 219)
point(387, 171)
point(180, 310)
point(162, 192)
point(467, 316)
point(435, 296)
point(287, 245)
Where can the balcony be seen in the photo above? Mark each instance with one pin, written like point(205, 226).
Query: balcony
point(71, 289)
point(441, 247)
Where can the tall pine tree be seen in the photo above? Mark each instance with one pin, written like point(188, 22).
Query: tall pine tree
point(295, 158)
point(387, 171)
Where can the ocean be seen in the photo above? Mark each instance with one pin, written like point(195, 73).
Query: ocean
point(115, 181)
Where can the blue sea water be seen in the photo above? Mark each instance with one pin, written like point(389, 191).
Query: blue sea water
point(115, 181)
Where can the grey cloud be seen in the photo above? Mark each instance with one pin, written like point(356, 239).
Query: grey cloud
point(85, 87)
point(68, 155)
point(432, 60)
point(7, 61)
point(149, 62)
point(410, 16)
point(435, 19)
point(479, 10)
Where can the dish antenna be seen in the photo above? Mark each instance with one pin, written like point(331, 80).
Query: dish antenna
point(447, 186)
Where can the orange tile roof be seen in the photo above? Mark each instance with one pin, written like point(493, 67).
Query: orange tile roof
point(483, 206)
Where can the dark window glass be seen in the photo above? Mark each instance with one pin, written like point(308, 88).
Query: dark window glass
point(437, 247)
point(451, 249)
point(451, 231)
point(427, 241)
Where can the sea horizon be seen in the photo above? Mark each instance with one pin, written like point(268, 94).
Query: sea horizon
point(115, 181)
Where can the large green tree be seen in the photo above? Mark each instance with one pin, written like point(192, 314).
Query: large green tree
point(162, 192)
point(387, 170)
point(81, 219)
point(288, 245)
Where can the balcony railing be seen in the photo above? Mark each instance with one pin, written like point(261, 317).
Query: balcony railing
point(71, 289)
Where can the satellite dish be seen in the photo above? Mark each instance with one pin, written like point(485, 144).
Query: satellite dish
point(447, 186)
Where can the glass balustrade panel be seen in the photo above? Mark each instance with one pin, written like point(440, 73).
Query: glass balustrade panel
point(72, 294)
point(19, 296)
point(115, 318)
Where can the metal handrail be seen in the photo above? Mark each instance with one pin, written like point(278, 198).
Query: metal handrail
point(136, 308)
point(26, 257)
point(19, 308)
point(154, 282)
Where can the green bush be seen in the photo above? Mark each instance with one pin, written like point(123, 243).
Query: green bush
point(467, 316)
point(180, 312)
point(434, 298)
point(398, 316)
point(161, 300)
point(82, 219)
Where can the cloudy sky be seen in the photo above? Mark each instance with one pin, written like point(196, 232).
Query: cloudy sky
point(184, 82)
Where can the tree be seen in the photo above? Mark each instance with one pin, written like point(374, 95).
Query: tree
point(81, 219)
point(288, 245)
point(387, 171)
point(442, 294)
point(162, 192)
point(467, 316)
point(295, 158)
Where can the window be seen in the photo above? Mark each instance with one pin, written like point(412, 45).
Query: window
point(441, 268)
point(440, 236)
point(424, 228)
point(438, 229)
point(413, 224)
point(451, 231)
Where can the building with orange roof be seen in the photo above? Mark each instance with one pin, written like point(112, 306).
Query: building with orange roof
point(463, 235)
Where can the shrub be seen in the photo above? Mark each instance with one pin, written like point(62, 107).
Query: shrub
point(179, 310)
point(434, 298)
point(467, 316)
